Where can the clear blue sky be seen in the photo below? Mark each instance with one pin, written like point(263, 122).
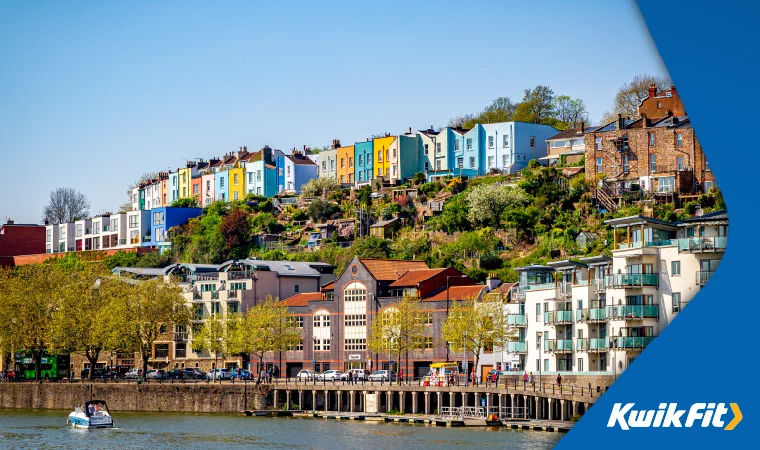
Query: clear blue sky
point(93, 94)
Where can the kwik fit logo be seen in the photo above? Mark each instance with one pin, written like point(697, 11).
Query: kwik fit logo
point(668, 415)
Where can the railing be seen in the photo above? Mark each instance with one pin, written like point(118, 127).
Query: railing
point(701, 244)
point(658, 243)
point(517, 293)
point(232, 294)
point(703, 277)
point(463, 412)
point(207, 277)
point(534, 287)
point(558, 345)
point(590, 315)
point(565, 289)
point(597, 344)
point(122, 242)
point(509, 412)
point(240, 275)
point(180, 336)
point(214, 295)
point(632, 279)
point(581, 344)
point(558, 317)
point(517, 320)
point(106, 228)
point(161, 353)
point(599, 286)
point(633, 312)
point(517, 347)
point(87, 231)
point(629, 245)
point(628, 342)
point(146, 239)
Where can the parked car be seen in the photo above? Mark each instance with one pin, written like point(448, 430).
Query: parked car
point(193, 373)
point(361, 374)
point(156, 374)
point(383, 375)
point(116, 372)
point(174, 374)
point(96, 373)
point(133, 374)
point(245, 374)
point(219, 374)
point(330, 375)
point(305, 375)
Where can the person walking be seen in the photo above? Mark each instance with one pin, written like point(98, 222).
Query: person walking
point(400, 376)
point(525, 380)
point(559, 382)
point(355, 376)
point(531, 380)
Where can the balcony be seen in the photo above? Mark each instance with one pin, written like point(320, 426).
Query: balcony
point(558, 345)
point(597, 344)
point(565, 289)
point(518, 320)
point(633, 312)
point(517, 293)
point(240, 275)
point(517, 347)
point(703, 277)
point(207, 277)
point(535, 287)
point(702, 244)
point(630, 342)
point(598, 286)
point(122, 242)
point(558, 317)
point(591, 315)
point(180, 336)
point(87, 231)
point(161, 353)
point(632, 280)
point(106, 228)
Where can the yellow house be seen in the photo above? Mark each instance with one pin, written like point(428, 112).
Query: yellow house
point(236, 181)
point(185, 180)
point(382, 153)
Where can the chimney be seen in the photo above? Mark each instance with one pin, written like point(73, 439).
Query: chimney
point(245, 149)
point(645, 122)
point(410, 130)
point(673, 88)
point(620, 122)
point(10, 222)
point(47, 222)
point(581, 127)
point(493, 281)
point(652, 90)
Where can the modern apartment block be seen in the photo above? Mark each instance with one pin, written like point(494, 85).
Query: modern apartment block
point(597, 314)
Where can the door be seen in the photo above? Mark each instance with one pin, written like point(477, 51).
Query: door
point(292, 369)
point(484, 369)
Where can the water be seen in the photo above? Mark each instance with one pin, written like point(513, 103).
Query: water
point(33, 429)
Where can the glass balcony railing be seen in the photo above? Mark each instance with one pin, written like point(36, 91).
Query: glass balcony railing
point(628, 245)
point(591, 315)
point(558, 345)
point(597, 344)
point(632, 312)
point(703, 277)
point(632, 279)
point(630, 342)
point(581, 344)
point(658, 243)
point(517, 347)
point(702, 244)
point(517, 320)
point(535, 287)
point(558, 317)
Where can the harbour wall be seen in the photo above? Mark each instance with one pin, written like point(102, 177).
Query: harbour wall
point(175, 397)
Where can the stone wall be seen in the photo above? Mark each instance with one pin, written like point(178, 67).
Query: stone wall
point(176, 397)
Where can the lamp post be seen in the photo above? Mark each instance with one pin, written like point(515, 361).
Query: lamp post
point(613, 341)
point(539, 334)
point(314, 359)
point(447, 305)
point(464, 364)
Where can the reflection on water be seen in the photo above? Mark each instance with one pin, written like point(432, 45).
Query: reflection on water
point(27, 429)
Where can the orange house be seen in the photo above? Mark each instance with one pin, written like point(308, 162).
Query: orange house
point(345, 172)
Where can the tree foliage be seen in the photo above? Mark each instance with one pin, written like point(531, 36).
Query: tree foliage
point(398, 329)
point(570, 110)
point(320, 210)
point(66, 205)
point(214, 337)
point(185, 202)
point(315, 187)
point(487, 203)
point(236, 229)
point(630, 94)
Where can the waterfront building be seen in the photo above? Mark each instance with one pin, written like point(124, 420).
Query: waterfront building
point(138, 227)
point(428, 140)
point(597, 314)
point(363, 160)
point(345, 172)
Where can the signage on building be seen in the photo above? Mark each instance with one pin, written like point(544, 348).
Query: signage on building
point(354, 357)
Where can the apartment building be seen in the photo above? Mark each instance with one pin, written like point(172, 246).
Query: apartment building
point(162, 220)
point(598, 314)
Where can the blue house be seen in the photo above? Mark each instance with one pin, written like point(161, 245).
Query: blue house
point(221, 179)
point(294, 170)
point(510, 145)
point(163, 219)
point(363, 162)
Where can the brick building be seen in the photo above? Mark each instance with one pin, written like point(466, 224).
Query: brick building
point(657, 152)
point(20, 239)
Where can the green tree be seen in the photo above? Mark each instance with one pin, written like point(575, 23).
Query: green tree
point(454, 215)
point(214, 337)
point(266, 223)
point(185, 202)
point(320, 210)
point(236, 229)
point(418, 178)
point(629, 96)
point(537, 105)
point(480, 325)
point(372, 247)
point(265, 327)
point(487, 203)
point(322, 186)
point(399, 328)
point(569, 110)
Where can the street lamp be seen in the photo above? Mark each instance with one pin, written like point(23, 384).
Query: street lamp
point(447, 305)
point(539, 334)
point(613, 341)
point(314, 358)
point(466, 373)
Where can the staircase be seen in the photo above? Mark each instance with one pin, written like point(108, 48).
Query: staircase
point(604, 197)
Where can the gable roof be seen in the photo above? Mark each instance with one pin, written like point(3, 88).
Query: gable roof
point(390, 269)
point(412, 277)
point(301, 299)
point(298, 160)
point(458, 293)
point(383, 223)
point(572, 133)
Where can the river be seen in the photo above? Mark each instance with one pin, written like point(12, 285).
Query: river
point(33, 429)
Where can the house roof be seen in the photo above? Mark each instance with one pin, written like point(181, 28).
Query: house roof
point(329, 286)
point(412, 277)
point(302, 161)
point(715, 215)
point(390, 269)
point(570, 171)
point(383, 223)
point(301, 299)
point(458, 293)
point(533, 267)
point(639, 220)
point(572, 133)
point(588, 235)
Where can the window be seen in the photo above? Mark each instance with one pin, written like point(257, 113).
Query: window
point(79, 230)
point(221, 182)
point(469, 144)
point(355, 344)
point(324, 166)
point(679, 139)
point(158, 218)
point(676, 302)
point(379, 156)
point(388, 154)
point(369, 159)
point(652, 163)
point(322, 319)
point(258, 175)
point(460, 163)
point(208, 185)
point(235, 179)
point(675, 268)
point(505, 160)
point(322, 345)
point(538, 312)
point(546, 365)
point(491, 162)
point(355, 320)
point(288, 170)
point(427, 166)
point(580, 364)
point(159, 235)
point(505, 138)
point(490, 141)
point(235, 195)
point(395, 170)
point(625, 163)
point(379, 171)
point(361, 160)
point(666, 184)
point(295, 321)
point(196, 187)
point(342, 163)
point(532, 142)
point(426, 149)
point(659, 105)
point(355, 292)
point(350, 162)
point(651, 139)
point(438, 165)
point(298, 347)
point(456, 145)
point(438, 147)
point(598, 142)
point(133, 221)
point(598, 165)
point(232, 309)
point(472, 162)
point(342, 179)
point(679, 161)
point(332, 164)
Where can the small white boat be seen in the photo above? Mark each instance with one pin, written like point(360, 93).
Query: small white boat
point(93, 414)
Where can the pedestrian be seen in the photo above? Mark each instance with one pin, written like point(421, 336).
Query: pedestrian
point(276, 372)
point(525, 380)
point(355, 376)
point(559, 382)
point(401, 376)
point(269, 375)
point(531, 380)
point(472, 376)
